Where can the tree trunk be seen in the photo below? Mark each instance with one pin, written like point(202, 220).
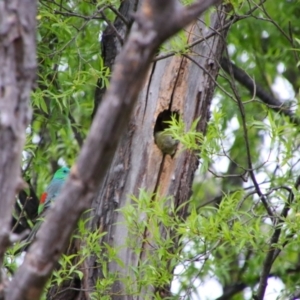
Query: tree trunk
point(180, 84)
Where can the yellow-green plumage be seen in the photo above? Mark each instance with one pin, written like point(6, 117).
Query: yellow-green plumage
point(165, 142)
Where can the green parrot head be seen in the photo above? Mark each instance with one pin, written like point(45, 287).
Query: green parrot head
point(61, 173)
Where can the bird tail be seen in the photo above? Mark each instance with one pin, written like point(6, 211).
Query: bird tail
point(31, 236)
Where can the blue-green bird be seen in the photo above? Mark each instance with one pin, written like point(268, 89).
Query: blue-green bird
point(53, 188)
point(47, 198)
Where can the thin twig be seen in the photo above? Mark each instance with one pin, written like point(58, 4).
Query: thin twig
point(230, 22)
point(111, 25)
point(79, 30)
point(248, 151)
point(117, 13)
point(71, 14)
point(273, 251)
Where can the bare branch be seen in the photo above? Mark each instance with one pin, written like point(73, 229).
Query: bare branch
point(232, 290)
point(111, 25)
point(249, 160)
point(231, 21)
point(118, 14)
point(72, 14)
point(76, 132)
point(243, 78)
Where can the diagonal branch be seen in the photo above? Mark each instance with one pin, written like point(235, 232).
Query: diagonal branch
point(231, 291)
point(244, 79)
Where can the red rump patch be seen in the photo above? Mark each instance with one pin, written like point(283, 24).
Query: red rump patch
point(43, 198)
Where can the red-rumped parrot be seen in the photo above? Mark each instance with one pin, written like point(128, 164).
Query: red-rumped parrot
point(53, 188)
point(47, 198)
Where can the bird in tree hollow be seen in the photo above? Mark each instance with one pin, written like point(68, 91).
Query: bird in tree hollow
point(47, 198)
point(166, 143)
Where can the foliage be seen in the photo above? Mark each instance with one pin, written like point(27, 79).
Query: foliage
point(262, 45)
point(248, 152)
point(149, 213)
point(191, 139)
point(232, 249)
point(70, 64)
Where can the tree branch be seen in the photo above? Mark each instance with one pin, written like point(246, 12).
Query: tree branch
point(17, 75)
point(244, 79)
point(232, 290)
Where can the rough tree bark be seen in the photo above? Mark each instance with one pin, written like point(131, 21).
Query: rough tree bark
point(177, 84)
point(151, 29)
point(17, 75)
